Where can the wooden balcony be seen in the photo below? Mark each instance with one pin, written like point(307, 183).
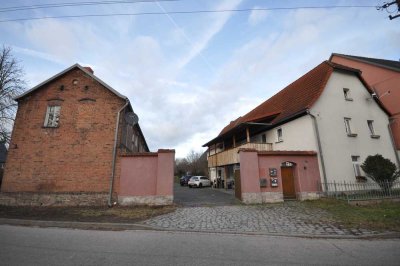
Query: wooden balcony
point(231, 156)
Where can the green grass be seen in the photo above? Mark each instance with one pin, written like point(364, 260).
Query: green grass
point(381, 216)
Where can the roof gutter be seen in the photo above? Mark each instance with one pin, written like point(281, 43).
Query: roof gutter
point(319, 149)
point(115, 153)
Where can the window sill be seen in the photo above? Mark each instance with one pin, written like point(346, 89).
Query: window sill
point(50, 127)
point(375, 136)
point(352, 135)
point(279, 141)
point(349, 99)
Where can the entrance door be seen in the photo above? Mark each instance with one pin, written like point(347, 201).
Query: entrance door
point(289, 191)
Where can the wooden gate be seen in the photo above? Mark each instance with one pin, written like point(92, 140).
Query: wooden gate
point(238, 189)
point(289, 191)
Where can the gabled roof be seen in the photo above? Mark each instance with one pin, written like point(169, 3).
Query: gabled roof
point(291, 102)
point(389, 64)
point(86, 70)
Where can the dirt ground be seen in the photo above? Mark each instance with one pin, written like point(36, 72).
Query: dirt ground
point(116, 214)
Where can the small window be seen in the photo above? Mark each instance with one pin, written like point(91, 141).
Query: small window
point(347, 95)
point(347, 124)
point(371, 129)
point(279, 134)
point(357, 169)
point(52, 116)
point(264, 138)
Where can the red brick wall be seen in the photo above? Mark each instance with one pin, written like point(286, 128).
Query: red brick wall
point(76, 156)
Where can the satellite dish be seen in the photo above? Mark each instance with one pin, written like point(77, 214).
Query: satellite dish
point(131, 118)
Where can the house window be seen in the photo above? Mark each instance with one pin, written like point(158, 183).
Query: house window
point(372, 130)
point(264, 138)
point(347, 124)
point(357, 169)
point(52, 116)
point(347, 95)
point(279, 134)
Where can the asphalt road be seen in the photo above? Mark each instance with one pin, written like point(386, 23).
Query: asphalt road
point(53, 246)
point(206, 196)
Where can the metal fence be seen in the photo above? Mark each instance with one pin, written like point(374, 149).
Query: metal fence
point(362, 190)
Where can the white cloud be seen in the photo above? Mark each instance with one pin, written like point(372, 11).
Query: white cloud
point(257, 16)
point(215, 25)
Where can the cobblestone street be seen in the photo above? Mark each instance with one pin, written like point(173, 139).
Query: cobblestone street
point(287, 218)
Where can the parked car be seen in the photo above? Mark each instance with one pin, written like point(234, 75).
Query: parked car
point(199, 181)
point(184, 180)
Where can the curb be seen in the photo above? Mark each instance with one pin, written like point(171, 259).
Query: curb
point(142, 227)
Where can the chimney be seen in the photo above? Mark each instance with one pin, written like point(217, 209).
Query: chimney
point(89, 69)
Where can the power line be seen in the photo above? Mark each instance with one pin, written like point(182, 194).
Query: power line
point(184, 12)
point(74, 4)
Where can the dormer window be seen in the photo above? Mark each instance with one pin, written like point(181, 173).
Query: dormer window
point(347, 95)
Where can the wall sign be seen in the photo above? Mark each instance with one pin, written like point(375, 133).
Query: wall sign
point(274, 182)
point(273, 172)
point(287, 164)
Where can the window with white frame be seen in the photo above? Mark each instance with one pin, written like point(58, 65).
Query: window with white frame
point(371, 129)
point(279, 134)
point(356, 167)
point(348, 126)
point(347, 95)
point(52, 116)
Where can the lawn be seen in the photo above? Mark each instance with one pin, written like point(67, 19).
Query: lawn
point(382, 216)
point(85, 214)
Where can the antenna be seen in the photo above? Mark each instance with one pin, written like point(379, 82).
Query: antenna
point(131, 118)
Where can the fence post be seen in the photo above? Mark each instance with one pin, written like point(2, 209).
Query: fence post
point(346, 192)
point(334, 183)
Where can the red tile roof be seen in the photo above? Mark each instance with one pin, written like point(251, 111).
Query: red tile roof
point(296, 98)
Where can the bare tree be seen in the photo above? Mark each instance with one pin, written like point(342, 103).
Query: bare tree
point(195, 163)
point(12, 83)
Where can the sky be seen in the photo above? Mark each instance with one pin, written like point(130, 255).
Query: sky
point(188, 75)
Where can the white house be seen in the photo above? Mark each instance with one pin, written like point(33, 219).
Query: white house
point(329, 110)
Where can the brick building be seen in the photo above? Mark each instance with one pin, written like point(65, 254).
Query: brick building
point(66, 140)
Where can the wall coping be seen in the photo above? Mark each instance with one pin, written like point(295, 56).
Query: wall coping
point(287, 153)
point(166, 150)
point(144, 154)
point(139, 154)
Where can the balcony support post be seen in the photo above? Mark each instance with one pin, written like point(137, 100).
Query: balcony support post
point(248, 134)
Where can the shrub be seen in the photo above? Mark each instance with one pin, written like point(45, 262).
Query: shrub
point(381, 170)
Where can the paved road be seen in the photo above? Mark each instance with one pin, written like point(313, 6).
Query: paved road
point(50, 246)
point(206, 196)
point(289, 218)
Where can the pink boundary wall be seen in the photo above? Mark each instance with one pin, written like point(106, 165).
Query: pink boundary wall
point(147, 178)
point(255, 165)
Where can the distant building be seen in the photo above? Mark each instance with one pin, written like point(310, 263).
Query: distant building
point(383, 76)
point(327, 120)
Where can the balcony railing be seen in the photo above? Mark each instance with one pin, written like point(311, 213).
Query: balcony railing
point(231, 156)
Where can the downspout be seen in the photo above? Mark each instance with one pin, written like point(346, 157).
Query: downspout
point(115, 154)
point(319, 148)
point(393, 143)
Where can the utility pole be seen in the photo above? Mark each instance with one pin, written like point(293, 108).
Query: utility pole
point(387, 5)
